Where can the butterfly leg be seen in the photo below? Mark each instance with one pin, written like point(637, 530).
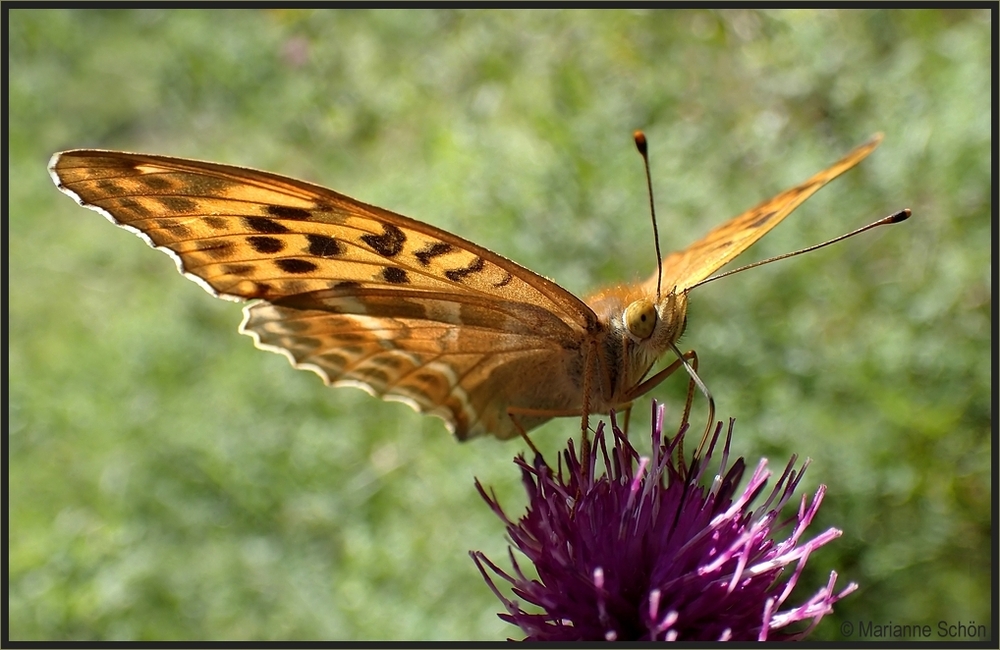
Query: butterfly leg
point(587, 375)
point(516, 412)
point(520, 430)
point(688, 357)
point(627, 412)
point(688, 404)
point(657, 379)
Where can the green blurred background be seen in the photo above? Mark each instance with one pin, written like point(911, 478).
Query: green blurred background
point(168, 481)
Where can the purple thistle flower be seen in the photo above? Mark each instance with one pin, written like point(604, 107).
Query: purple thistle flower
point(644, 552)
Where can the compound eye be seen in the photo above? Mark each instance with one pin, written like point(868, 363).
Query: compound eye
point(640, 318)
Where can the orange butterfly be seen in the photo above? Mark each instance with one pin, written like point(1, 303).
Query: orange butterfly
point(366, 297)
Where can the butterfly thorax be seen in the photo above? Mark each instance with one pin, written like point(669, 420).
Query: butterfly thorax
point(637, 330)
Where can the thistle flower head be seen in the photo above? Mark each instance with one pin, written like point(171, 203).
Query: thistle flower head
point(644, 552)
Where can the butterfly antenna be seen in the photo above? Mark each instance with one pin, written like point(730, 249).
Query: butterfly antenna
point(896, 217)
point(640, 144)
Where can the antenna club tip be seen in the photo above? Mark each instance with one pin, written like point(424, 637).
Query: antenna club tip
point(902, 215)
point(640, 141)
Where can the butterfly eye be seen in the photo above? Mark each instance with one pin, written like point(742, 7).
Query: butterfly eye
point(640, 318)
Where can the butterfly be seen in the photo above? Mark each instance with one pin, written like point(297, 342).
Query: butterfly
point(369, 298)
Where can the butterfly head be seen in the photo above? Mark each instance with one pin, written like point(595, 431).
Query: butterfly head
point(639, 324)
point(654, 324)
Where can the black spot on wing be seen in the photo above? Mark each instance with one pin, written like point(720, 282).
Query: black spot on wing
point(763, 219)
point(389, 243)
point(238, 269)
point(387, 361)
point(394, 275)
point(133, 206)
point(307, 342)
point(293, 326)
point(108, 186)
point(295, 265)
point(349, 336)
point(178, 203)
point(432, 381)
point(456, 275)
point(264, 225)
point(324, 246)
point(266, 245)
point(155, 183)
point(334, 359)
point(377, 378)
point(215, 223)
point(431, 251)
point(174, 228)
point(507, 279)
point(216, 249)
point(287, 212)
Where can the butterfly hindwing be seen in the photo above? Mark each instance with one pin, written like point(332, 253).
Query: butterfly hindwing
point(465, 373)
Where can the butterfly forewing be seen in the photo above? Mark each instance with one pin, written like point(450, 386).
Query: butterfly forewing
point(251, 234)
point(686, 268)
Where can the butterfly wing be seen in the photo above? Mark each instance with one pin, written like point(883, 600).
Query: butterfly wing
point(468, 373)
point(347, 287)
point(684, 269)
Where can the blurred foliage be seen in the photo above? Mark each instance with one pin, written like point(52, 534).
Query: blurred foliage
point(168, 481)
